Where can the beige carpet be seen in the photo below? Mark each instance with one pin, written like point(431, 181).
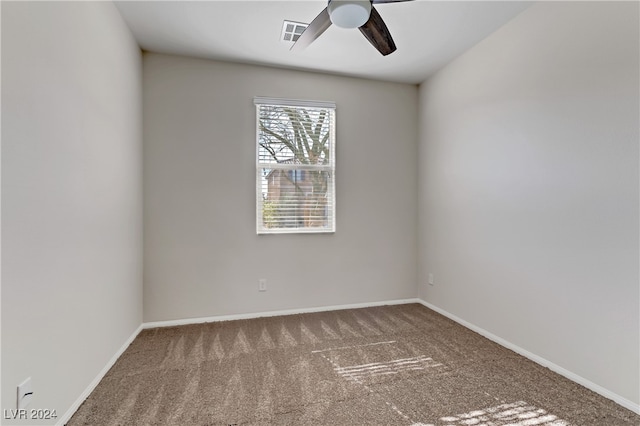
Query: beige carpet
point(391, 365)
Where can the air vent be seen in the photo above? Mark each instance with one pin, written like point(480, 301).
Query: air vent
point(291, 31)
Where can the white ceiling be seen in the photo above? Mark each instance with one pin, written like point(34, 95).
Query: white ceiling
point(428, 34)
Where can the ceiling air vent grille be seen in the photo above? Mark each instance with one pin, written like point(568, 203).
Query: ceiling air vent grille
point(291, 30)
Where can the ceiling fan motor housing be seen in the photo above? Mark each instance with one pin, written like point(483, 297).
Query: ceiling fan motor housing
point(349, 13)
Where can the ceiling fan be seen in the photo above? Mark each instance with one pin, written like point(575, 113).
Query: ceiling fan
point(351, 14)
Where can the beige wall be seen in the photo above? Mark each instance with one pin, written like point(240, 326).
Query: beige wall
point(71, 197)
point(202, 254)
point(529, 188)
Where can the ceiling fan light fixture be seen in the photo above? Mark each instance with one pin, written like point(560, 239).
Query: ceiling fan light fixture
point(349, 13)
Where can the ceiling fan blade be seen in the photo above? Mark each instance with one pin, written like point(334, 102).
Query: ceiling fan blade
point(387, 1)
point(378, 34)
point(313, 31)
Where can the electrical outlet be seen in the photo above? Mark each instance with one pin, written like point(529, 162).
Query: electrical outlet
point(431, 279)
point(262, 284)
point(25, 394)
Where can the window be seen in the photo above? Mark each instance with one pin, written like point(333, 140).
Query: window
point(295, 166)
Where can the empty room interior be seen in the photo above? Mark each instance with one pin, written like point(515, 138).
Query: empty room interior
point(255, 212)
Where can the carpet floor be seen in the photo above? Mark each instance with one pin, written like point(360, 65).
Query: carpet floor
point(390, 365)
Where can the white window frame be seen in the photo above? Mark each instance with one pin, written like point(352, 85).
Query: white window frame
point(330, 167)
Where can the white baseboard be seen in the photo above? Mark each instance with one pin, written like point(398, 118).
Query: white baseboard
point(539, 360)
point(171, 323)
point(71, 411)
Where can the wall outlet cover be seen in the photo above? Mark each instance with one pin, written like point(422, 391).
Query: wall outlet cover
point(25, 394)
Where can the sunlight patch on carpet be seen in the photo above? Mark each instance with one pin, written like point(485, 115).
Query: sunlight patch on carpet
point(357, 372)
point(353, 346)
point(515, 414)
